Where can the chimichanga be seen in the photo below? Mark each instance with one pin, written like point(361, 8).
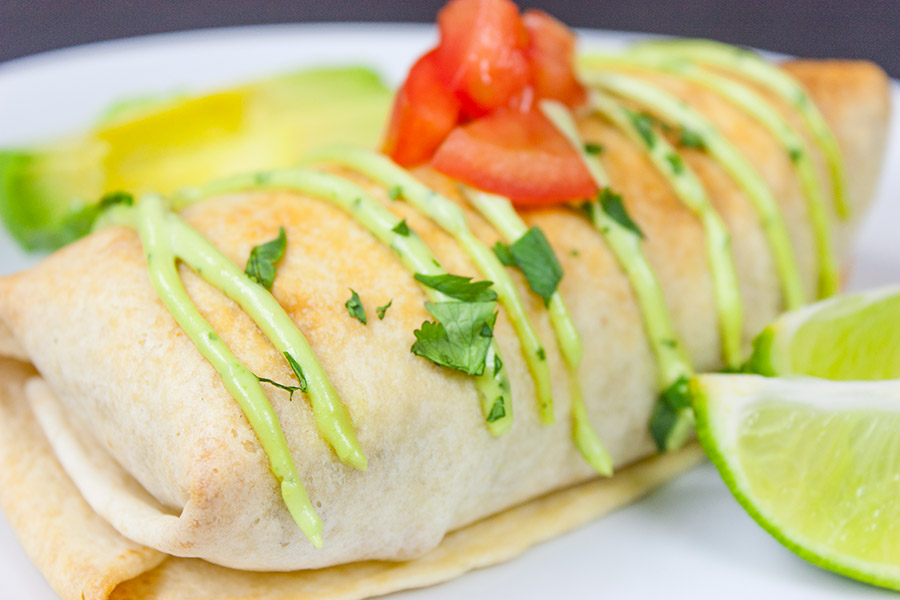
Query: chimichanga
point(144, 427)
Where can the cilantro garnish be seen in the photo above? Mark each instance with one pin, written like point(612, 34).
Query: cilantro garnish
point(644, 126)
point(381, 310)
point(458, 287)
point(401, 228)
point(461, 336)
point(691, 139)
point(287, 388)
point(261, 263)
point(533, 255)
point(667, 412)
point(795, 154)
point(504, 254)
point(676, 161)
point(114, 198)
point(612, 205)
point(498, 410)
point(588, 208)
point(355, 307)
point(593, 149)
point(298, 371)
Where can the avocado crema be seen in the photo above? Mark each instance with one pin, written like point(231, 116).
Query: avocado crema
point(671, 422)
point(167, 239)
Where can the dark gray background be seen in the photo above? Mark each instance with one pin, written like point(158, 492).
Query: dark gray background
point(814, 28)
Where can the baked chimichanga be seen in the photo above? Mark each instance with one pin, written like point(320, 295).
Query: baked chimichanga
point(157, 417)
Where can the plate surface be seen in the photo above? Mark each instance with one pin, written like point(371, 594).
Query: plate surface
point(689, 539)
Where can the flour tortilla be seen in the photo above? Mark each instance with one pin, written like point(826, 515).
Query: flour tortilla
point(84, 558)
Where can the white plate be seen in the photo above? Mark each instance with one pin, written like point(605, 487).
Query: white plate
point(689, 539)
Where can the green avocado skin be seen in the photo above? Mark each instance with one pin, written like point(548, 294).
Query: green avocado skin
point(48, 194)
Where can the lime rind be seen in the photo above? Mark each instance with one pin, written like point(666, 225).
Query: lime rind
point(718, 400)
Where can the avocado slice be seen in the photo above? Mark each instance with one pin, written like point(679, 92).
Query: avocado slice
point(48, 194)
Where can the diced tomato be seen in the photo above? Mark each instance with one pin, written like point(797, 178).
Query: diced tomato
point(424, 113)
point(521, 156)
point(523, 101)
point(551, 53)
point(482, 53)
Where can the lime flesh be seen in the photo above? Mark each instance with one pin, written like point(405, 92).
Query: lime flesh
point(815, 462)
point(850, 337)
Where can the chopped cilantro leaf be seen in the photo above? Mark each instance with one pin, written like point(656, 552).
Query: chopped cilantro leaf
point(287, 388)
point(644, 125)
point(381, 310)
point(461, 336)
point(498, 410)
point(676, 162)
point(666, 414)
point(542, 354)
point(503, 253)
point(533, 255)
point(678, 395)
point(498, 364)
point(594, 149)
point(394, 192)
point(691, 139)
point(613, 206)
point(114, 198)
point(261, 263)
point(458, 287)
point(401, 228)
point(795, 154)
point(355, 307)
point(298, 372)
point(588, 207)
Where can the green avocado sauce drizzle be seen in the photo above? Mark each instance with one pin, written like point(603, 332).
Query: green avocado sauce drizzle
point(450, 217)
point(759, 109)
point(692, 193)
point(500, 213)
point(729, 157)
point(493, 384)
point(672, 418)
point(750, 65)
point(166, 239)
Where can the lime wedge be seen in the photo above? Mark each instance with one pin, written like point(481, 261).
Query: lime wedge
point(815, 462)
point(848, 337)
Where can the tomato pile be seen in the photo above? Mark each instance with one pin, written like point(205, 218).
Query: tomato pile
point(469, 106)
